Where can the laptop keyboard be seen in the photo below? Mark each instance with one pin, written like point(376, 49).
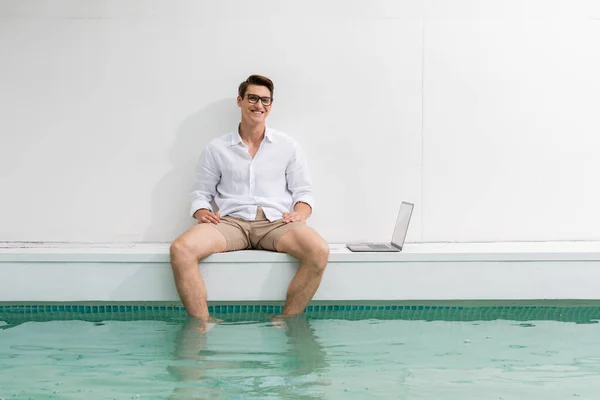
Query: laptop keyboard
point(379, 246)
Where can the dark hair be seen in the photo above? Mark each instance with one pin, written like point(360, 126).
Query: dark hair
point(255, 80)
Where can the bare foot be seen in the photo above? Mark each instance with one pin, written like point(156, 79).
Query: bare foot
point(278, 321)
point(205, 325)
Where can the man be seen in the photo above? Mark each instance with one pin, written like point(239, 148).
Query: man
point(259, 180)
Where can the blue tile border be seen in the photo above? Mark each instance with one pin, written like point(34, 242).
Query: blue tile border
point(225, 309)
point(426, 312)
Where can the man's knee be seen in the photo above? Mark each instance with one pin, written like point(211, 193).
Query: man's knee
point(181, 250)
point(197, 244)
point(319, 255)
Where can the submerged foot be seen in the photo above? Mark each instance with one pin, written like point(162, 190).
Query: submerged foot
point(204, 325)
point(279, 320)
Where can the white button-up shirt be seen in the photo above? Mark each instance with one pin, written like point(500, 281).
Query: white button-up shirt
point(275, 179)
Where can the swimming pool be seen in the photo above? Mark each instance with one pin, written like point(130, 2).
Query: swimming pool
point(404, 350)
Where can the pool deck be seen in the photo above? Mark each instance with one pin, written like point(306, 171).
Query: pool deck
point(78, 272)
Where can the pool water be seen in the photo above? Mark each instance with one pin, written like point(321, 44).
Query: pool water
point(312, 357)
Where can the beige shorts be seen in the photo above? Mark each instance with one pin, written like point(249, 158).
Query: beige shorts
point(260, 234)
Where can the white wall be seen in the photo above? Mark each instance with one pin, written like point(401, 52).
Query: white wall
point(483, 114)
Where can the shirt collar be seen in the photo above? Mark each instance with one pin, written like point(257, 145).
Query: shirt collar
point(237, 139)
point(269, 135)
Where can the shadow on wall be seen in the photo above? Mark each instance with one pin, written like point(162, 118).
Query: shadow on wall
point(171, 196)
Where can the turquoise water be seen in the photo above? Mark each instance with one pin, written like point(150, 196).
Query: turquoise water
point(490, 352)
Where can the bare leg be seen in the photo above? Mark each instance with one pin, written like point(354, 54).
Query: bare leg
point(197, 243)
point(305, 244)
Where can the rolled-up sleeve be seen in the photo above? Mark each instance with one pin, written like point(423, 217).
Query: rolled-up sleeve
point(298, 179)
point(207, 178)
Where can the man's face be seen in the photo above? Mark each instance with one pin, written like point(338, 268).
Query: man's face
point(254, 112)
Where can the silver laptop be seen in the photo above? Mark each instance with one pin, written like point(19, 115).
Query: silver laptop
point(397, 237)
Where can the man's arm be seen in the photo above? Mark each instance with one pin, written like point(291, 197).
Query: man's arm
point(300, 185)
point(205, 187)
point(303, 209)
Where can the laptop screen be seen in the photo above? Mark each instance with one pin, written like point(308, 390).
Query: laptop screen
point(402, 224)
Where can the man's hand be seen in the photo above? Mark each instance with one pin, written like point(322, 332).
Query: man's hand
point(300, 214)
point(204, 216)
point(293, 217)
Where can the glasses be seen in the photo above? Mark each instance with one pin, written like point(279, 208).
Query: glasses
point(253, 99)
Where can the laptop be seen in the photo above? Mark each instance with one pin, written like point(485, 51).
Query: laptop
point(397, 237)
